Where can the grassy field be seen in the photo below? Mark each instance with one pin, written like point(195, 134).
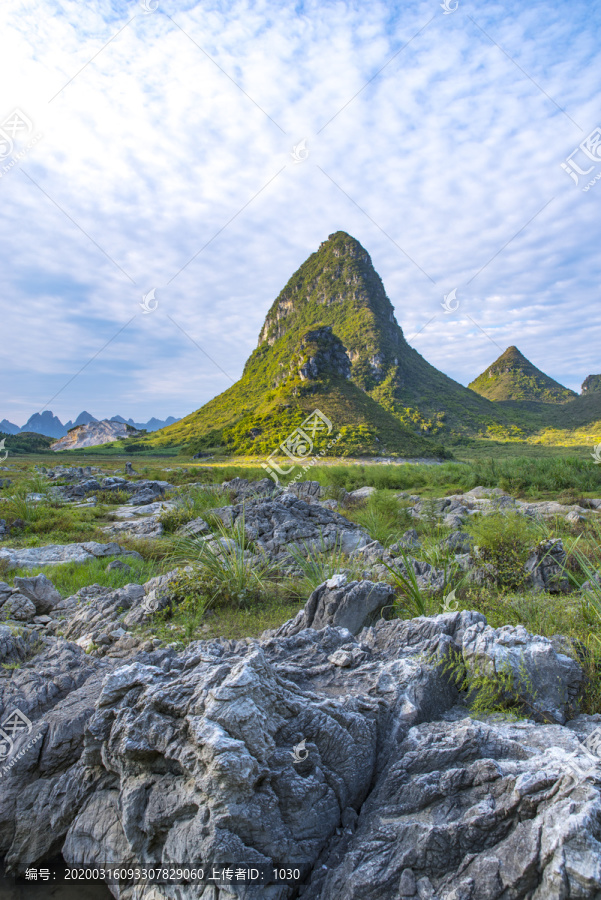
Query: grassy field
point(224, 596)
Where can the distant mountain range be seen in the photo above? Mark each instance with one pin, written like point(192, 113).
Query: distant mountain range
point(50, 425)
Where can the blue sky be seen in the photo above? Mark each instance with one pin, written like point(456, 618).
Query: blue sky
point(155, 152)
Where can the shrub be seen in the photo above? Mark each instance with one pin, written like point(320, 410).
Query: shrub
point(505, 542)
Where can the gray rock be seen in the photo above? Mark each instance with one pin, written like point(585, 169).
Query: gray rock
point(409, 541)
point(40, 590)
point(545, 567)
point(361, 494)
point(189, 756)
point(276, 525)
point(458, 542)
point(196, 526)
point(306, 490)
point(57, 554)
point(118, 565)
point(350, 606)
point(545, 683)
point(19, 608)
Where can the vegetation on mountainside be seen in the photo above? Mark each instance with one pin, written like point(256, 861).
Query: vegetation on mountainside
point(513, 377)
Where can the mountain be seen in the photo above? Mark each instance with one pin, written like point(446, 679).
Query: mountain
point(82, 419)
point(50, 425)
point(392, 393)
point(45, 423)
point(91, 434)
point(7, 427)
point(513, 377)
point(591, 384)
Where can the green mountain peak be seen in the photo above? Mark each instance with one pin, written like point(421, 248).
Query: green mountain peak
point(513, 377)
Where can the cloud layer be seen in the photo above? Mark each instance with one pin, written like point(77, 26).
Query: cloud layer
point(165, 162)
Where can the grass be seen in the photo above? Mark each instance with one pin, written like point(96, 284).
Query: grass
point(70, 577)
point(382, 516)
point(193, 503)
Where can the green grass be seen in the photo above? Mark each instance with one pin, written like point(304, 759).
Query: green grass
point(70, 577)
point(383, 516)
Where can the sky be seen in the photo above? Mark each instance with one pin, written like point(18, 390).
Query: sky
point(166, 166)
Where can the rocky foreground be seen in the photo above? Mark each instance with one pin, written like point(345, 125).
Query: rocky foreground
point(396, 793)
point(338, 744)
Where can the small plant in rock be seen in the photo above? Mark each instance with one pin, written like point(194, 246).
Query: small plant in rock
point(192, 503)
point(504, 541)
point(317, 565)
point(112, 498)
point(231, 573)
point(382, 516)
point(489, 692)
point(417, 600)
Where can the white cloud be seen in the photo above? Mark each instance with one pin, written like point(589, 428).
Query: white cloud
point(152, 150)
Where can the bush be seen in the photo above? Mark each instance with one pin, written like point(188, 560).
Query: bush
point(505, 542)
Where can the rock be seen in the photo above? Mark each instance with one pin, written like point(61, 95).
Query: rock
point(545, 567)
point(320, 352)
point(574, 517)
point(40, 590)
point(545, 683)
point(350, 606)
point(196, 526)
point(458, 542)
point(148, 494)
point(148, 527)
point(370, 554)
point(117, 565)
point(5, 591)
point(188, 755)
point(361, 494)
point(16, 645)
point(409, 541)
point(453, 521)
point(306, 490)
point(129, 469)
point(407, 844)
point(19, 608)
point(329, 504)
point(277, 524)
point(57, 554)
point(243, 489)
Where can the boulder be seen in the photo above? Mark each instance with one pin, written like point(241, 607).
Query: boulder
point(40, 590)
point(194, 755)
point(57, 554)
point(18, 607)
point(351, 606)
point(276, 525)
point(545, 567)
point(545, 683)
point(458, 542)
point(191, 529)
